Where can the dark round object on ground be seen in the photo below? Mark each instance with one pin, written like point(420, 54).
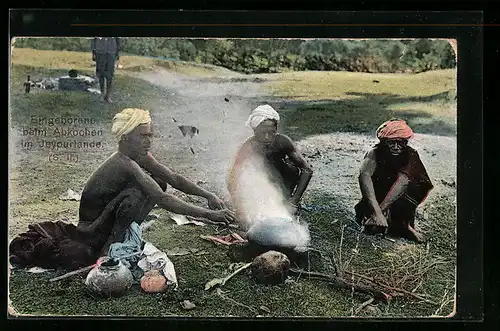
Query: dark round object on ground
point(272, 267)
point(307, 260)
point(73, 73)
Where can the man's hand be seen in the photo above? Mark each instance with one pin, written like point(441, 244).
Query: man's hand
point(222, 216)
point(93, 56)
point(214, 202)
point(377, 219)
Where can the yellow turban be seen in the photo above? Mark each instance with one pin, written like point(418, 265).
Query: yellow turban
point(128, 119)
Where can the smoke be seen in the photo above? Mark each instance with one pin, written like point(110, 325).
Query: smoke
point(219, 108)
point(259, 198)
point(267, 215)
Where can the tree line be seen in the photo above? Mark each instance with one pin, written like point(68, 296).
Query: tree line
point(278, 55)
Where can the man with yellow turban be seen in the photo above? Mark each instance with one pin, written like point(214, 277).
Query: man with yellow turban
point(131, 182)
point(122, 191)
point(281, 161)
point(393, 182)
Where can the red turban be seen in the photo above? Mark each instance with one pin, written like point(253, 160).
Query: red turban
point(394, 129)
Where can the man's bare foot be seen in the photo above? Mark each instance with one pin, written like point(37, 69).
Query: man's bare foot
point(416, 236)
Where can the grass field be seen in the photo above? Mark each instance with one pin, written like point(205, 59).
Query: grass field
point(129, 63)
point(324, 102)
point(359, 102)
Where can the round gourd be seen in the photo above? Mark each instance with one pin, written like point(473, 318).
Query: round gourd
point(153, 282)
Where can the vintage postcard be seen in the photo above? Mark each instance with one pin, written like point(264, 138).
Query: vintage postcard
point(244, 177)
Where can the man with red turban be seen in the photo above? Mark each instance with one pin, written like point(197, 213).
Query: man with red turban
point(393, 182)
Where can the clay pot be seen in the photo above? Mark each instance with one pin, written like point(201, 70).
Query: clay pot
point(109, 278)
point(153, 282)
point(272, 267)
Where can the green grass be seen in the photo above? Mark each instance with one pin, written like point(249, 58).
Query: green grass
point(351, 102)
point(326, 85)
point(324, 102)
point(82, 61)
point(133, 93)
point(33, 294)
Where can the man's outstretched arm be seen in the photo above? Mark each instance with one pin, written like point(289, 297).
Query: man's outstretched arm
point(179, 182)
point(396, 191)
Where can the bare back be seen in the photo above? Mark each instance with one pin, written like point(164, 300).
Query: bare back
point(105, 183)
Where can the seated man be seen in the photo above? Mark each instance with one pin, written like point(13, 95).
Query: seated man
point(132, 181)
point(282, 162)
point(393, 182)
point(124, 189)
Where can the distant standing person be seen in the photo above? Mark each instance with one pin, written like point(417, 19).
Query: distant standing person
point(105, 53)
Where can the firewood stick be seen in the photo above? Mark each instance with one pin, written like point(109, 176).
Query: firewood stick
point(71, 273)
point(363, 305)
point(342, 283)
point(204, 220)
point(393, 288)
point(215, 239)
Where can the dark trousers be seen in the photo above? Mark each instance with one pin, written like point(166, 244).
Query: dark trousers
point(105, 65)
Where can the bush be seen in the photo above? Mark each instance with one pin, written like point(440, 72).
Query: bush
point(271, 55)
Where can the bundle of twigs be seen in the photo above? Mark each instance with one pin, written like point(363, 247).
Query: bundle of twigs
point(399, 273)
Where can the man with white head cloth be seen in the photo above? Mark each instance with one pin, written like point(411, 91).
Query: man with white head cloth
point(284, 165)
point(125, 188)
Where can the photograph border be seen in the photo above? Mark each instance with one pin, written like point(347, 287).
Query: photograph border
point(466, 27)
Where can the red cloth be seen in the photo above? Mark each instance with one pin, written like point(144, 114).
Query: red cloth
point(394, 129)
point(229, 239)
point(52, 245)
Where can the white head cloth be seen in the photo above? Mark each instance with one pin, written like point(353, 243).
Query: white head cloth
point(260, 114)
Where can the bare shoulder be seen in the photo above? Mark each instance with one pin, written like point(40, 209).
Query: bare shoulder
point(115, 169)
point(248, 145)
point(371, 154)
point(249, 142)
point(147, 162)
point(125, 164)
point(284, 142)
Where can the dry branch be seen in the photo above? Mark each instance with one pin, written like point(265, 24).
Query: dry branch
point(395, 289)
point(342, 283)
